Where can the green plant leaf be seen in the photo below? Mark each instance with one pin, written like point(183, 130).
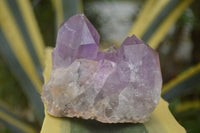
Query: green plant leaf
point(32, 30)
point(20, 51)
point(182, 107)
point(182, 84)
point(13, 122)
point(156, 19)
point(161, 119)
point(145, 18)
point(158, 33)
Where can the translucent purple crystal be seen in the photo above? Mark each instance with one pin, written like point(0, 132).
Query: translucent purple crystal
point(120, 85)
point(77, 38)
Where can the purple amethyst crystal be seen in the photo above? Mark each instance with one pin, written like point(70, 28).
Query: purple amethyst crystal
point(121, 85)
point(77, 38)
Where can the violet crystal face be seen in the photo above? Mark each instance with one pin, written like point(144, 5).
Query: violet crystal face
point(118, 86)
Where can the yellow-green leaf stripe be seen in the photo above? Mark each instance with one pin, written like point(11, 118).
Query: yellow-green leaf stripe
point(151, 25)
point(151, 9)
point(17, 44)
point(31, 24)
point(181, 77)
point(161, 32)
point(187, 105)
point(11, 120)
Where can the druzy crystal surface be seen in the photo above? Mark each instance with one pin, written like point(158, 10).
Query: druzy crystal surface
point(117, 86)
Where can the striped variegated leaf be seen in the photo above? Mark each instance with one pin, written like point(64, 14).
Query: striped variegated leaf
point(156, 18)
point(13, 122)
point(21, 46)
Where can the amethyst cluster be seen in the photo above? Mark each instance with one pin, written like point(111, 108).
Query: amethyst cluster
point(117, 86)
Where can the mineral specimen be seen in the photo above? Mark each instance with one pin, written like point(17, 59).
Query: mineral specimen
point(121, 85)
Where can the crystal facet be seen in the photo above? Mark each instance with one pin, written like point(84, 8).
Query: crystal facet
point(121, 85)
point(77, 38)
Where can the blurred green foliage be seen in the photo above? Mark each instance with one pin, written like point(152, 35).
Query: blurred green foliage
point(10, 90)
point(45, 17)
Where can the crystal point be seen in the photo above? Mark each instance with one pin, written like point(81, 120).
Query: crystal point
point(77, 38)
point(117, 86)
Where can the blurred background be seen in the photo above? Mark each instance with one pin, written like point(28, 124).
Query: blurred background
point(179, 52)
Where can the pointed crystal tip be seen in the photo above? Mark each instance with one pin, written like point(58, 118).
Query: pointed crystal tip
point(77, 38)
